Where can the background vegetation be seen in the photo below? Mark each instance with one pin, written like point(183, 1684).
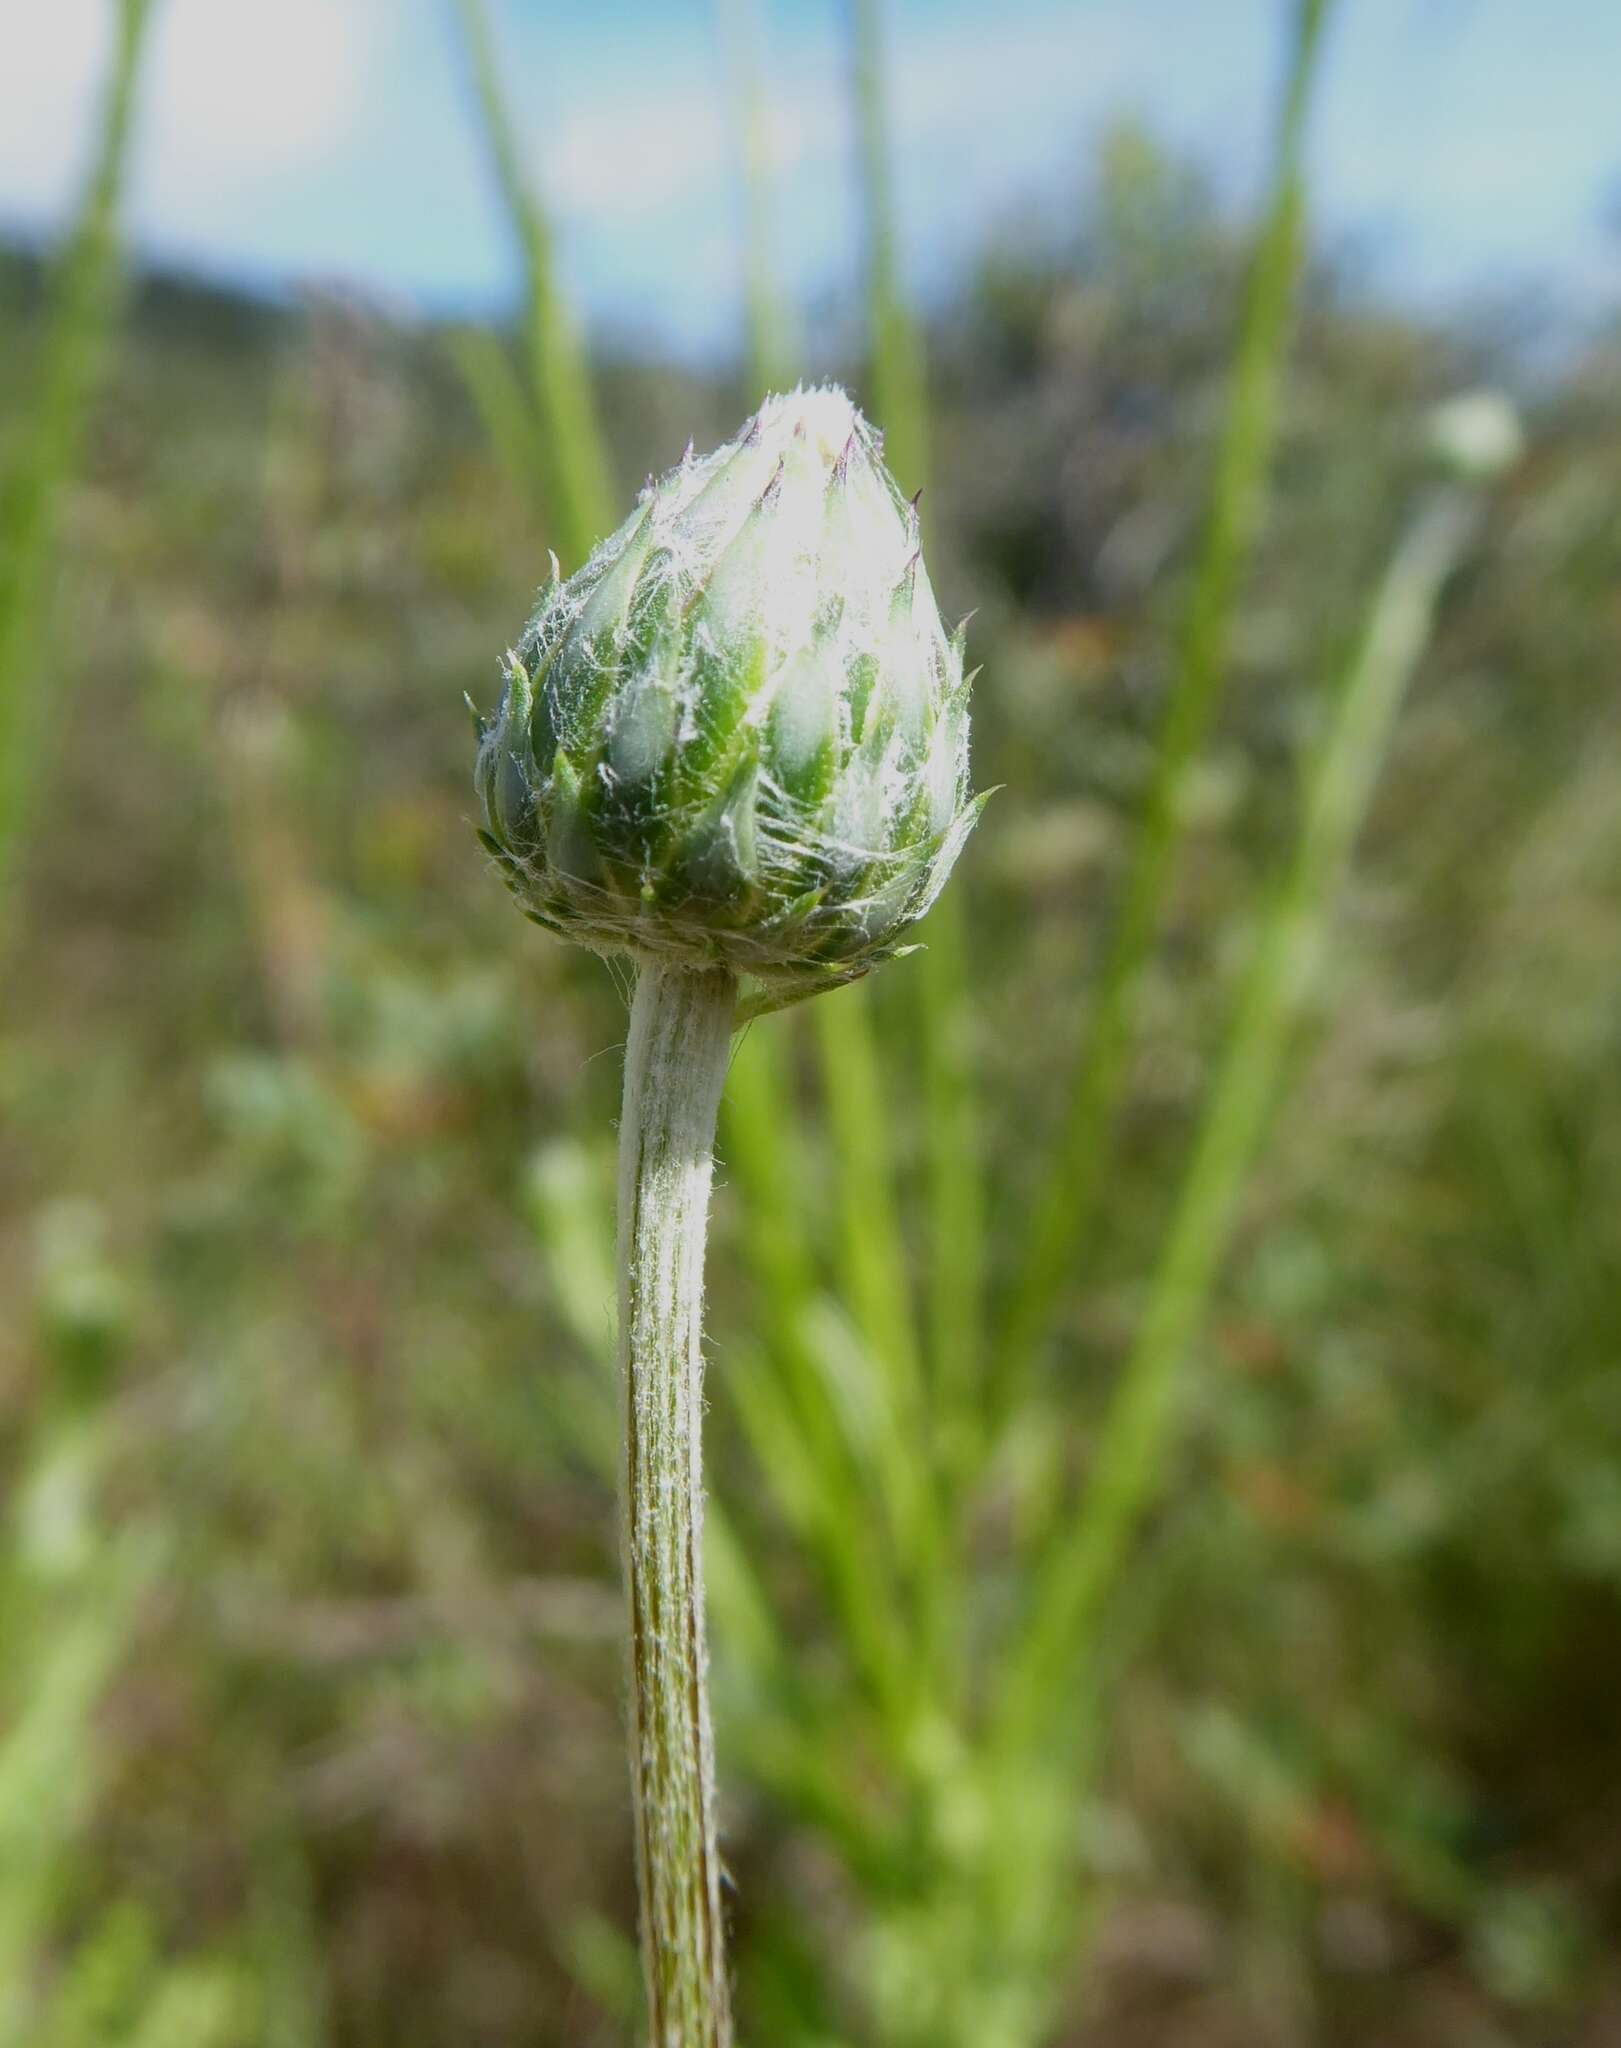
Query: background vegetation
point(311, 1727)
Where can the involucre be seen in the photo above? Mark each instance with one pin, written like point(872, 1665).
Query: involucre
point(738, 737)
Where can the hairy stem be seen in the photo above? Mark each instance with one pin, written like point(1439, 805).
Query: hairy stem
point(675, 1064)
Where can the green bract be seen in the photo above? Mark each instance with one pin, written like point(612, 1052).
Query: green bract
point(739, 735)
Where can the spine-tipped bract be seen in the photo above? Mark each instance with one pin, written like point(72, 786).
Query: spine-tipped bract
point(738, 737)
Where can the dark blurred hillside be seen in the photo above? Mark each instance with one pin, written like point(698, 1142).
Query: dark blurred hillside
point(306, 1180)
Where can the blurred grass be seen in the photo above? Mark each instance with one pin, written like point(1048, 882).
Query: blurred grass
point(84, 299)
point(1237, 492)
point(333, 1265)
point(897, 374)
point(770, 347)
point(1078, 1566)
point(560, 438)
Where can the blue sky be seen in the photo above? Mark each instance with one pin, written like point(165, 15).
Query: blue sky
point(1467, 146)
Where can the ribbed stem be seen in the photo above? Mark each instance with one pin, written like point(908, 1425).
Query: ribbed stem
point(675, 1064)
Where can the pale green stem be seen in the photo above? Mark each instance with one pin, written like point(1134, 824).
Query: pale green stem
point(577, 480)
point(83, 301)
point(1068, 1201)
point(675, 1066)
point(1079, 1571)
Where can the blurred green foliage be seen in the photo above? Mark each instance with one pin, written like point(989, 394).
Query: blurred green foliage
point(83, 297)
point(311, 1724)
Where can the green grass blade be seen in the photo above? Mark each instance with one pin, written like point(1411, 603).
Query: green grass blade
point(577, 478)
point(833, 1465)
point(951, 1119)
point(880, 1369)
point(817, 1471)
point(873, 1257)
point(956, 1266)
point(505, 411)
point(735, 1595)
point(761, 1139)
point(872, 1262)
point(1077, 1575)
point(763, 1153)
point(771, 346)
point(1065, 1208)
point(899, 385)
point(758, 1112)
point(83, 306)
point(830, 1525)
point(872, 1268)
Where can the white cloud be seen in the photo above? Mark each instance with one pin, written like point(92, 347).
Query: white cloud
point(49, 69)
point(233, 93)
point(632, 157)
point(242, 90)
point(641, 153)
point(1052, 68)
point(277, 137)
point(638, 153)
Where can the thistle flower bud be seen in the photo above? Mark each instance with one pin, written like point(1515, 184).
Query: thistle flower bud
point(738, 737)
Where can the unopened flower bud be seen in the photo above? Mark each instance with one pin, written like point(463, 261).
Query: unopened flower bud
point(738, 737)
point(1477, 435)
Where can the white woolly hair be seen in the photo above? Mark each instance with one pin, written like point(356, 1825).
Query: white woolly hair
point(794, 542)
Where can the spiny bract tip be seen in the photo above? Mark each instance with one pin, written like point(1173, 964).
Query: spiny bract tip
point(738, 735)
